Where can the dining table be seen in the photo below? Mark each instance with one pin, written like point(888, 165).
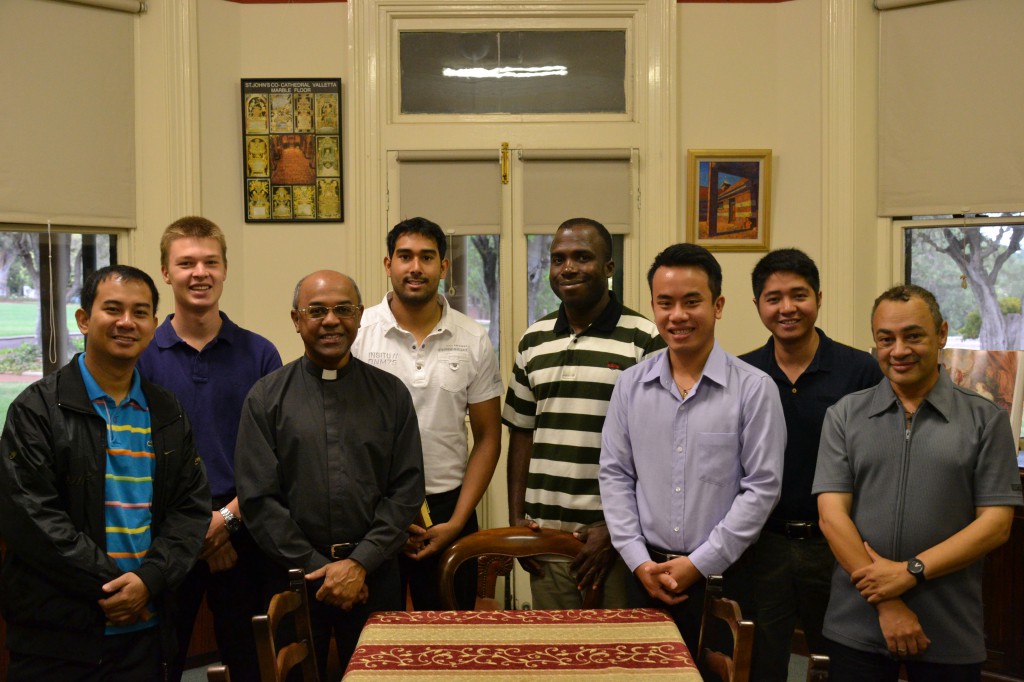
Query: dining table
point(576, 644)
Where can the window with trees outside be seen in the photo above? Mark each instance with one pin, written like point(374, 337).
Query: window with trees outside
point(41, 279)
point(974, 265)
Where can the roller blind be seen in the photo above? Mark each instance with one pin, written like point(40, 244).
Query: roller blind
point(66, 115)
point(951, 108)
point(559, 185)
point(459, 190)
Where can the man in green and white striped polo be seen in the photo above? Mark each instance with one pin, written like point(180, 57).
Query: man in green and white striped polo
point(565, 369)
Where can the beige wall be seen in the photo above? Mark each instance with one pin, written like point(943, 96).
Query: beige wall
point(266, 41)
point(750, 76)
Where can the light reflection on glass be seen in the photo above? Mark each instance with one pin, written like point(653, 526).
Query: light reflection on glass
point(506, 72)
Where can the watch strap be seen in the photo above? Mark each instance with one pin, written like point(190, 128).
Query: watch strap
point(231, 521)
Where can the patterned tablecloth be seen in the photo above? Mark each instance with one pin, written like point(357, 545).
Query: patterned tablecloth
point(522, 645)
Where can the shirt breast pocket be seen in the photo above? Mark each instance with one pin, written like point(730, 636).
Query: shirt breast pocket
point(717, 461)
point(454, 373)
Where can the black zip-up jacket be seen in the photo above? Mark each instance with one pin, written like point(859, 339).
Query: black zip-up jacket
point(52, 469)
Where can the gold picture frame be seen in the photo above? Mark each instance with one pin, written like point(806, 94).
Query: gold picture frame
point(728, 199)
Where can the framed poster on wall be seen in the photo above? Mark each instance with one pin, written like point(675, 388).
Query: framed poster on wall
point(729, 199)
point(291, 150)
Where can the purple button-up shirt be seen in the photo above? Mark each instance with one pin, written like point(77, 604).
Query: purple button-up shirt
point(698, 475)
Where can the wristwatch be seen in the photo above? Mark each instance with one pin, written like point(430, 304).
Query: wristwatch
point(231, 522)
point(916, 568)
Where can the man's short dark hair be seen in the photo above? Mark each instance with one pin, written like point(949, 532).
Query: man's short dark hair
point(122, 273)
point(903, 293)
point(689, 255)
point(785, 260)
point(420, 226)
point(602, 232)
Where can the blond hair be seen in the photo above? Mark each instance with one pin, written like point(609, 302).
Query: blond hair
point(194, 227)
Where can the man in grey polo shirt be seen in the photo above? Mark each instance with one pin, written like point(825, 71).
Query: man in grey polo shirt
point(916, 479)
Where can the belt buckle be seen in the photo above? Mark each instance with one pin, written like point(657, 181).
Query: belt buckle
point(341, 550)
point(799, 530)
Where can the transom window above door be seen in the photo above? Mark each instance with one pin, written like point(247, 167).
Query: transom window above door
point(513, 72)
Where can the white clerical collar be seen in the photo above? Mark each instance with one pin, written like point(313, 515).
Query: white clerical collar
point(320, 372)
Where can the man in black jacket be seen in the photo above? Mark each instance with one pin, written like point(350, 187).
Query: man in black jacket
point(103, 502)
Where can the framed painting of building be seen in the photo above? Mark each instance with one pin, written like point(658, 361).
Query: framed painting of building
point(291, 150)
point(728, 204)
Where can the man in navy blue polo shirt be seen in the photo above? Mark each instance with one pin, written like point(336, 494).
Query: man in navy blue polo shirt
point(791, 559)
point(210, 363)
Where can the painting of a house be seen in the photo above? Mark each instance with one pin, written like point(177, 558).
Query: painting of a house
point(730, 211)
point(731, 204)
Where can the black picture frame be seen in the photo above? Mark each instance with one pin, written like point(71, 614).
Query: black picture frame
point(292, 150)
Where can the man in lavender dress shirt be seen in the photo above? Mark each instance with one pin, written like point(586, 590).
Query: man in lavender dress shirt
point(692, 448)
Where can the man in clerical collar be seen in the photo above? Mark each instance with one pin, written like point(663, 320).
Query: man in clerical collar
point(329, 466)
point(103, 502)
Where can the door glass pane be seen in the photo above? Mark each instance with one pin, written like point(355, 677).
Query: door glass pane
point(513, 72)
point(540, 299)
point(28, 262)
point(473, 280)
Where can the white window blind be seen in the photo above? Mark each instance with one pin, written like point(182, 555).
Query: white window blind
point(458, 190)
point(951, 107)
point(67, 116)
point(563, 184)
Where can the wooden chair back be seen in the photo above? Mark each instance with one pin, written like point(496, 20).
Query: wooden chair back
point(494, 549)
point(735, 668)
point(276, 662)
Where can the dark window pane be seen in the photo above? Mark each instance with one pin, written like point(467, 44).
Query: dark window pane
point(513, 72)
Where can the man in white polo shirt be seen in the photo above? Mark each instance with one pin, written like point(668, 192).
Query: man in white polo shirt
point(447, 362)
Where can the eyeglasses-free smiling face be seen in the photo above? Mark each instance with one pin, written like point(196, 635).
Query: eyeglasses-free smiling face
point(196, 271)
point(908, 346)
point(684, 310)
point(788, 306)
point(580, 267)
point(416, 269)
point(327, 338)
point(121, 323)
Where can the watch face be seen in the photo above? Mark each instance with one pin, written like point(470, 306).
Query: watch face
point(915, 566)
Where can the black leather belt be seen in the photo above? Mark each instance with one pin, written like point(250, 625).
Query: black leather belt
point(338, 551)
point(794, 530)
point(661, 556)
